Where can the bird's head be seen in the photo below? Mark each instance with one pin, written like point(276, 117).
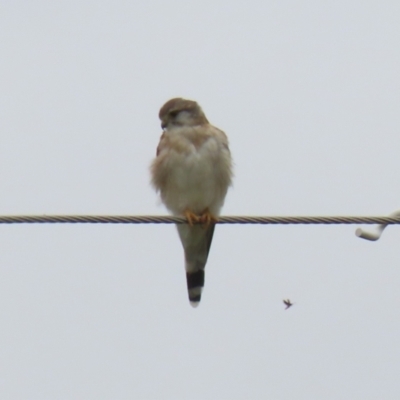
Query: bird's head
point(181, 112)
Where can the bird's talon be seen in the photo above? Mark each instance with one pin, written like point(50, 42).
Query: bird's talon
point(192, 218)
point(207, 219)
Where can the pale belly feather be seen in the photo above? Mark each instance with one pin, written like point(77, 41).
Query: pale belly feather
point(197, 179)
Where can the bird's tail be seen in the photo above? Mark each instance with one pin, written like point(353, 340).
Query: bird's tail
point(196, 241)
point(195, 284)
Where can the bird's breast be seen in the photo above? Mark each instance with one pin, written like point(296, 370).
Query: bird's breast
point(194, 168)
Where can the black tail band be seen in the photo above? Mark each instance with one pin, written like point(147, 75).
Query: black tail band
point(195, 279)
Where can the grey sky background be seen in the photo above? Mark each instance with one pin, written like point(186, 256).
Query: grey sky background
point(308, 93)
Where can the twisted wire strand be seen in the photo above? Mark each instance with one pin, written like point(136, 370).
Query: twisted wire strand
point(161, 219)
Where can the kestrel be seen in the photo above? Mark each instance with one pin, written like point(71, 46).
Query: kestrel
point(192, 172)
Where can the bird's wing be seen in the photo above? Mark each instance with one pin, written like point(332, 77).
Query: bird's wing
point(157, 168)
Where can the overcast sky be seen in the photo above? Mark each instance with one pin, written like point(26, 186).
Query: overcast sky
point(308, 93)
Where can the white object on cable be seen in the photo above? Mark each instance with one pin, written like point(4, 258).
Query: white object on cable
point(373, 236)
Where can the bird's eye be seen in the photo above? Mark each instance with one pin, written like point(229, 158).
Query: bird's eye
point(173, 114)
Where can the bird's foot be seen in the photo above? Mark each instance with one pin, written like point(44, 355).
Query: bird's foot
point(207, 219)
point(192, 218)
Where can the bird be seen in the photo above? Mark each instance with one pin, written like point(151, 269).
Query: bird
point(192, 171)
point(288, 303)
